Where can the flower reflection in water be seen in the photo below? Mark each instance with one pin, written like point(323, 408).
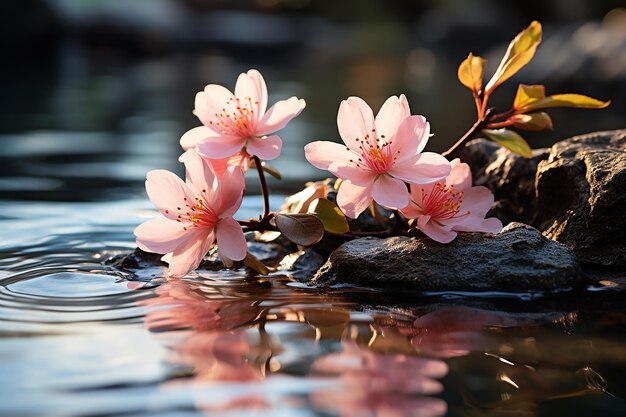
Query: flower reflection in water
point(380, 385)
point(205, 337)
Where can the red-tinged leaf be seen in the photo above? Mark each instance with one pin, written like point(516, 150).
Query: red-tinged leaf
point(253, 262)
point(470, 72)
point(301, 229)
point(332, 217)
point(533, 122)
point(519, 53)
point(510, 140)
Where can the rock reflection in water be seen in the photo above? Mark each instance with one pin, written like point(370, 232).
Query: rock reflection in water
point(508, 364)
point(456, 331)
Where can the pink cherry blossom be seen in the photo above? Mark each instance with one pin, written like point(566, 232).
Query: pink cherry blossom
point(196, 213)
point(451, 206)
point(236, 122)
point(219, 166)
point(379, 155)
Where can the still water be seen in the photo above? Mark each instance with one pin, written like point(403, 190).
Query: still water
point(79, 337)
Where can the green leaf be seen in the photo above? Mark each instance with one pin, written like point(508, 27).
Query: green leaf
point(533, 97)
point(253, 262)
point(332, 217)
point(470, 72)
point(301, 229)
point(519, 53)
point(566, 100)
point(533, 121)
point(510, 140)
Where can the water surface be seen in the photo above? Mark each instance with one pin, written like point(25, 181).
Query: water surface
point(79, 337)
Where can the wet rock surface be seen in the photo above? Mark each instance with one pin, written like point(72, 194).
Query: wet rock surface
point(519, 258)
point(509, 176)
point(573, 192)
point(303, 264)
point(581, 197)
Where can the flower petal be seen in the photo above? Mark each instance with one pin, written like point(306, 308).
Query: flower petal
point(412, 211)
point(419, 191)
point(230, 239)
point(437, 232)
point(167, 192)
point(422, 220)
point(390, 192)
point(220, 147)
point(199, 172)
point(353, 199)
point(410, 138)
point(279, 115)
point(219, 166)
point(350, 172)
point(323, 153)
point(230, 191)
point(391, 115)
point(267, 147)
point(252, 84)
point(477, 200)
point(354, 120)
point(186, 257)
point(159, 235)
point(474, 223)
point(425, 168)
point(194, 136)
point(460, 175)
point(491, 225)
point(211, 101)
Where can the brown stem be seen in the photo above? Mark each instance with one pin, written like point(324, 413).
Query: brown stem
point(504, 115)
point(477, 102)
point(477, 127)
point(499, 125)
point(483, 108)
point(260, 226)
point(264, 190)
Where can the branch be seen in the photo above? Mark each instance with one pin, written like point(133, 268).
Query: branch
point(477, 127)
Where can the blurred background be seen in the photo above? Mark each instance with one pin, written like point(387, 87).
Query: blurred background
point(97, 92)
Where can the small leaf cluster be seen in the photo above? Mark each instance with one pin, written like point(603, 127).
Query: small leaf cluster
point(526, 113)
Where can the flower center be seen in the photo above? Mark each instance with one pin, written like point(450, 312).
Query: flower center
point(237, 117)
point(443, 202)
point(195, 215)
point(374, 153)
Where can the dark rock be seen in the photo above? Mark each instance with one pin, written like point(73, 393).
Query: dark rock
point(143, 265)
point(135, 260)
point(581, 197)
point(138, 265)
point(519, 258)
point(509, 176)
point(268, 253)
point(302, 264)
